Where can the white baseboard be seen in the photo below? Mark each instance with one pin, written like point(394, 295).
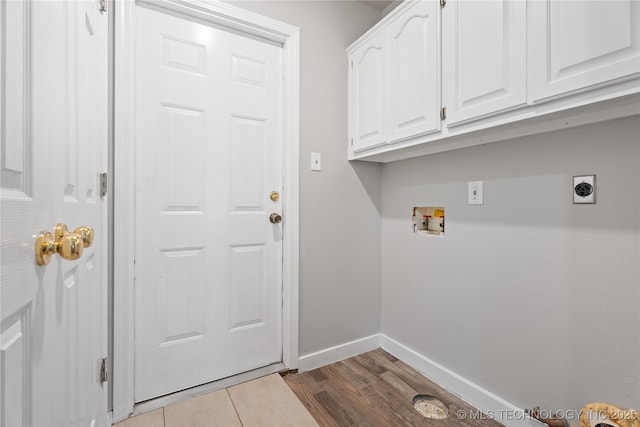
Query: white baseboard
point(338, 353)
point(487, 402)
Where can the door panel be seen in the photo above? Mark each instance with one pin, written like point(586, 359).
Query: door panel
point(247, 303)
point(484, 58)
point(208, 155)
point(247, 164)
point(577, 44)
point(18, 282)
point(15, 370)
point(54, 116)
point(184, 192)
point(414, 67)
point(182, 314)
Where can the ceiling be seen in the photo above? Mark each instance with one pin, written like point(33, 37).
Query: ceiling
point(378, 4)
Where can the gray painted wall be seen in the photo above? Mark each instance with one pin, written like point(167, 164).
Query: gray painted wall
point(340, 206)
point(529, 296)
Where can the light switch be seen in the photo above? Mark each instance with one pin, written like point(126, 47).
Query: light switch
point(316, 162)
point(476, 196)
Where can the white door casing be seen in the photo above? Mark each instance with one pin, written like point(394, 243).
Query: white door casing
point(484, 58)
point(208, 155)
point(54, 129)
point(577, 45)
point(219, 14)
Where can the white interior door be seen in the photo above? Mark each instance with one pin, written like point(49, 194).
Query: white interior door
point(54, 128)
point(208, 262)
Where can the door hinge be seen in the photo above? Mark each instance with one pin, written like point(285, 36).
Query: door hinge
point(104, 373)
point(104, 180)
point(443, 3)
point(443, 113)
point(351, 141)
point(103, 6)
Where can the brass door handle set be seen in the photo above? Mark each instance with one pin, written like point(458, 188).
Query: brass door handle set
point(69, 245)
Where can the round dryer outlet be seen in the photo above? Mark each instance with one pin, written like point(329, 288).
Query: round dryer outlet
point(584, 189)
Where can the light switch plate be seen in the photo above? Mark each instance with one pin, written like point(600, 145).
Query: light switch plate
point(316, 162)
point(476, 196)
point(584, 189)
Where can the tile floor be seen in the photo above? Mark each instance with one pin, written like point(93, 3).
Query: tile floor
point(266, 401)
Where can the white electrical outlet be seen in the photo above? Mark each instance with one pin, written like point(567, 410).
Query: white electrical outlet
point(316, 162)
point(476, 196)
point(584, 189)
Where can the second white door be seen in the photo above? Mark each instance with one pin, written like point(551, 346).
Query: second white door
point(208, 267)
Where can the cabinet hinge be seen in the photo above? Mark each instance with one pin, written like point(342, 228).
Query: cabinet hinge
point(443, 113)
point(103, 6)
point(352, 63)
point(352, 141)
point(443, 3)
point(104, 374)
point(103, 184)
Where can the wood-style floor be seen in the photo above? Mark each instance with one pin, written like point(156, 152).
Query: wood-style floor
point(376, 389)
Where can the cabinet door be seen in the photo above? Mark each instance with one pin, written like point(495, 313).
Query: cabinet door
point(414, 72)
point(367, 79)
point(578, 44)
point(484, 57)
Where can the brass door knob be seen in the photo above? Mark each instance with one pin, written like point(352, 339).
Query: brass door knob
point(86, 234)
point(275, 218)
point(45, 248)
point(68, 245)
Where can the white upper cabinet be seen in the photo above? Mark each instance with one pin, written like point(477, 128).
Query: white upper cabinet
point(367, 98)
point(433, 76)
point(580, 44)
point(414, 68)
point(484, 57)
